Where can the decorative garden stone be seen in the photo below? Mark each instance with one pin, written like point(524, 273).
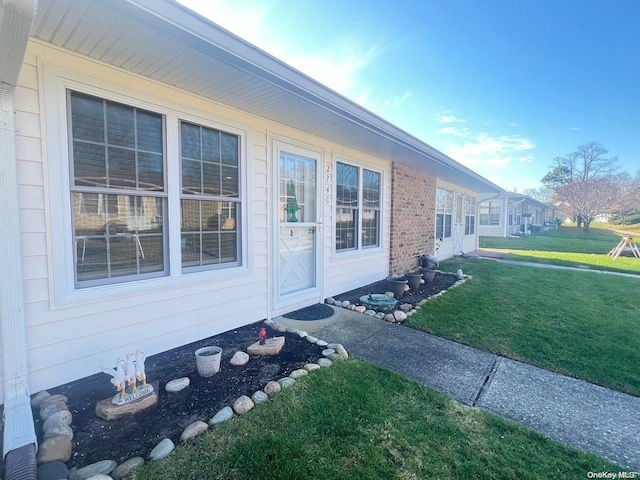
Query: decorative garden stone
point(242, 405)
point(311, 339)
point(301, 372)
point(193, 430)
point(239, 358)
point(339, 348)
point(324, 362)
point(259, 397)
point(104, 467)
point(53, 471)
point(272, 388)
point(123, 470)
point(222, 416)
point(177, 384)
point(63, 417)
point(287, 382)
point(51, 399)
point(54, 449)
point(327, 351)
point(272, 346)
point(51, 408)
point(39, 398)
point(59, 430)
point(162, 450)
point(109, 411)
point(310, 367)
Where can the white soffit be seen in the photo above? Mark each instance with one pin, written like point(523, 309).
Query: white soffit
point(166, 42)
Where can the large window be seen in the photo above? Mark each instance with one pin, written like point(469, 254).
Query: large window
point(210, 196)
point(117, 190)
point(120, 199)
point(489, 213)
point(469, 215)
point(444, 212)
point(358, 207)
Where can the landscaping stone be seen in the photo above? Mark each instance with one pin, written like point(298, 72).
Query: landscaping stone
point(125, 469)
point(303, 334)
point(193, 430)
point(53, 399)
point(327, 351)
point(272, 388)
point(259, 397)
point(39, 398)
point(389, 317)
point(360, 309)
point(177, 384)
point(399, 316)
point(53, 471)
point(242, 405)
point(63, 417)
point(339, 348)
point(330, 301)
point(311, 339)
point(51, 408)
point(59, 430)
point(292, 330)
point(371, 313)
point(336, 357)
point(310, 367)
point(287, 382)
point(100, 476)
point(222, 416)
point(272, 346)
point(345, 303)
point(321, 343)
point(239, 358)
point(324, 362)
point(405, 307)
point(162, 450)
point(379, 315)
point(301, 372)
point(104, 467)
point(54, 449)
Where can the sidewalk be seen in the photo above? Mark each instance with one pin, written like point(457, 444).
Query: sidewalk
point(573, 412)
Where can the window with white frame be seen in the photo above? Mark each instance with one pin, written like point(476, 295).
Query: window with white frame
point(210, 196)
point(444, 212)
point(358, 206)
point(489, 213)
point(119, 196)
point(469, 215)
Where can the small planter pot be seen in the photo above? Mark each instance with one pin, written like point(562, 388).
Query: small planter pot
point(429, 262)
point(428, 275)
point(414, 280)
point(208, 360)
point(396, 285)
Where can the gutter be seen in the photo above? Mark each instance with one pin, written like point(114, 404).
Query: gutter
point(19, 441)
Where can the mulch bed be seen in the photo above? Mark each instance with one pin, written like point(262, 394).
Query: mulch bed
point(96, 439)
point(441, 281)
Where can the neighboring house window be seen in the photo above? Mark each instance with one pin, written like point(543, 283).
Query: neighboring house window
point(444, 212)
point(120, 198)
point(117, 189)
point(358, 204)
point(489, 213)
point(210, 199)
point(469, 215)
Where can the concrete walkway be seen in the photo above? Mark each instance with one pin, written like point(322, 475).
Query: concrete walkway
point(573, 412)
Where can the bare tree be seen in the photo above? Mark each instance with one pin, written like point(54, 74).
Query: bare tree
point(542, 194)
point(590, 198)
point(628, 200)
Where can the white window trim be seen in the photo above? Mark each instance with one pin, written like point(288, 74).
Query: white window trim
point(55, 80)
point(360, 250)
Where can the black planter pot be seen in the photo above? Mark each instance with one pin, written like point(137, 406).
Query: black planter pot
point(414, 280)
point(428, 275)
point(427, 261)
point(396, 285)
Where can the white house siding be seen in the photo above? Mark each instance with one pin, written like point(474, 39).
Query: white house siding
point(469, 242)
point(347, 270)
point(71, 335)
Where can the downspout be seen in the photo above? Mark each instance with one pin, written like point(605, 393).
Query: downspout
point(19, 441)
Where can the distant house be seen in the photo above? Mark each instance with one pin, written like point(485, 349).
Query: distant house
point(164, 181)
point(511, 214)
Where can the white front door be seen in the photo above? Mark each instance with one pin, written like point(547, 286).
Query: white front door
point(298, 252)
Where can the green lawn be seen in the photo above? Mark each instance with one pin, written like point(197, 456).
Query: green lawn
point(358, 421)
point(568, 246)
point(581, 324)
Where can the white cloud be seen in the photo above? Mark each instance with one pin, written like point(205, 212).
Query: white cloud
point(495, 152)
point(458, 132)
point(448, 118)
point(398, 100)
point(574, 129)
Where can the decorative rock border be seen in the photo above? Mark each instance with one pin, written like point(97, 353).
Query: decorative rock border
point(55, 468)
point(404, 311)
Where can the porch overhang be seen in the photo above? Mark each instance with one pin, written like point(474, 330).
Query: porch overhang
point(166, 42)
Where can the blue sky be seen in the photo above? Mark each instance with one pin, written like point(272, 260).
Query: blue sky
point(501, 86)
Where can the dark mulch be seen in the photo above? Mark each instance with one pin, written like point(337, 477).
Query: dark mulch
point(318, 311)
point(441, 281)
point(96, 439)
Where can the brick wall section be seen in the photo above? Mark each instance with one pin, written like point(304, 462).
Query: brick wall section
point(413, 203)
